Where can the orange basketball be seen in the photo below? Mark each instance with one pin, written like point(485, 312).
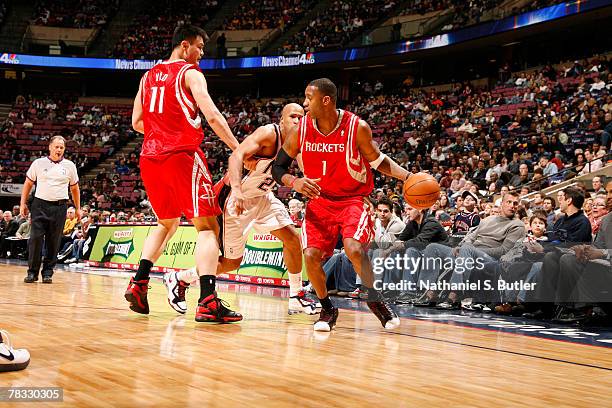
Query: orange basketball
point(421, 191)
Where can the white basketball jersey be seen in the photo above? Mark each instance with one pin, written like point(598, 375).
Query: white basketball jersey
point(259, 182)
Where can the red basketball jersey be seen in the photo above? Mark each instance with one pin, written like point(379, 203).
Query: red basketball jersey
point(335, 158)
point(170, 114)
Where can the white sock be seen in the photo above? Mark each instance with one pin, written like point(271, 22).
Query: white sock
point(295, 283)
point(188, 275)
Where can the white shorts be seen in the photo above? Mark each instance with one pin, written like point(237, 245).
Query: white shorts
point(264, 214)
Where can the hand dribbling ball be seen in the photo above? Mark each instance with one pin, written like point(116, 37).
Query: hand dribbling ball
point(421, 191)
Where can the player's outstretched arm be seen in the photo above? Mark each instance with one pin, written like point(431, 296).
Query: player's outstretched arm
point(196, 83)
point(280, 168)
point(137, 122)
point(379, 161)
point(264, 136)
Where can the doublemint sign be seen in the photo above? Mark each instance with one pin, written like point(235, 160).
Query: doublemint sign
point(267, 258)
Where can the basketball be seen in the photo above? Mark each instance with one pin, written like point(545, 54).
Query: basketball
point(421, 191)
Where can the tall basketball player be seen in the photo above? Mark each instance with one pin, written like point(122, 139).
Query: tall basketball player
point(249, 203)
point(337, 153)
point(174, 169)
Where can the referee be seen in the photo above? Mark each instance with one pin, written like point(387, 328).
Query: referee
point(52, 175)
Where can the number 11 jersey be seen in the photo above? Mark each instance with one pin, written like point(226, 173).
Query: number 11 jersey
point(170, 113)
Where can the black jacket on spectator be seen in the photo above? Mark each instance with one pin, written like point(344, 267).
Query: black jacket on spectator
point(9, 229)
point(573, 229)
point(419, 236)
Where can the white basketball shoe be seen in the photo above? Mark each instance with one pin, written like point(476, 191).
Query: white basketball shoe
point(176, 292)
point(301, 304)
point(12, 359)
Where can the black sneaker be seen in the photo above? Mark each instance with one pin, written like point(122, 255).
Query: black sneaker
point(385, 314)
point(213, 309)
point(327, 320)
point(47, 279)
point(30, 279)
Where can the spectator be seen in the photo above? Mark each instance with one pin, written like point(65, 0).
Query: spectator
point(598, 185)
point(468, 217)
point(600, 210)
point(493, 237)
point(296, 212)
point(523, 176)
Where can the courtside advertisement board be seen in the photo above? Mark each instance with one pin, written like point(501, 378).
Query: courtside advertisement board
point(120, 247)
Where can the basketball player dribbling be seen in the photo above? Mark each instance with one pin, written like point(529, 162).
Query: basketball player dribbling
point(247, 202)
point(337, 152)
point(174, 169)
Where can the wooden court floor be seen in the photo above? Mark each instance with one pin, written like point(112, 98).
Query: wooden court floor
point(83, 338)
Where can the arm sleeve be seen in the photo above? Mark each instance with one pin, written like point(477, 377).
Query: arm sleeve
point(280, 166)
point(429, 231)
point(407, 233)
point(74, 176)
point(515, 233)
point(31, 174)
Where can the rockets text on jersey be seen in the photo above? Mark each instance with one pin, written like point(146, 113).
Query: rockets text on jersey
point(170, 113)
point(335, 158)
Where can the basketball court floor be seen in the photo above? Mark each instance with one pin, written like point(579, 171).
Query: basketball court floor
point(83, 338)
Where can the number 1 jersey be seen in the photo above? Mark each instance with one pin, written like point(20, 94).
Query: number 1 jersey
point(335, 158)
point(170, 113)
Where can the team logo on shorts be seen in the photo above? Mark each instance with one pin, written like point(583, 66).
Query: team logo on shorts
point(209, 194)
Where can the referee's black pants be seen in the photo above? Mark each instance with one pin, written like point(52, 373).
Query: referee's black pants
point(48, 218)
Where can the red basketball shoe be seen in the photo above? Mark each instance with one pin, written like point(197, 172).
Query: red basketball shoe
point(136, 294)
point(213, 309)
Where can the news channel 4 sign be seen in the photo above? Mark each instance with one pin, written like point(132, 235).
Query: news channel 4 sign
point(349, 54)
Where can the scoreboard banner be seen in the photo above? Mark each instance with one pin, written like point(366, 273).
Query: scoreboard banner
point(345, 55)
point(120, 247)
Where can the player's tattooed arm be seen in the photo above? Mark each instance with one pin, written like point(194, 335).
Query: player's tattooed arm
point(280, 168)
point(196, 83)
point(379, 161)
point(137, 122)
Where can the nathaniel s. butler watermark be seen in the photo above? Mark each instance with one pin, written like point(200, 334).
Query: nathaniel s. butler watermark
point(486, 284)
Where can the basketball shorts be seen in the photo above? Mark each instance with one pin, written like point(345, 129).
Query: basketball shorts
point(262, 214)
point(179, 183)
point(326, 219)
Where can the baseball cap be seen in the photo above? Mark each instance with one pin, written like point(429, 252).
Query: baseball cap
point(469, 193)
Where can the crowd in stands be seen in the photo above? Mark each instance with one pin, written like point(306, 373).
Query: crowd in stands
point(337, 25)
point(93, 132)
point(150, 34)
point(74, 13)
point(266, 14)
point(465, 13)
point(561, 116)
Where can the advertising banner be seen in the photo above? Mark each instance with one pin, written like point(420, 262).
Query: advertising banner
point(349, 54)
point(10, 189)
point(120, 247)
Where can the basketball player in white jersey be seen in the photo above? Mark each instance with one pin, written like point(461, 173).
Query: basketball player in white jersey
point(247, 202)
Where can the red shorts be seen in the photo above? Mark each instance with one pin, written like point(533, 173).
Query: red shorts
point(179, 183)
point(325, 219)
